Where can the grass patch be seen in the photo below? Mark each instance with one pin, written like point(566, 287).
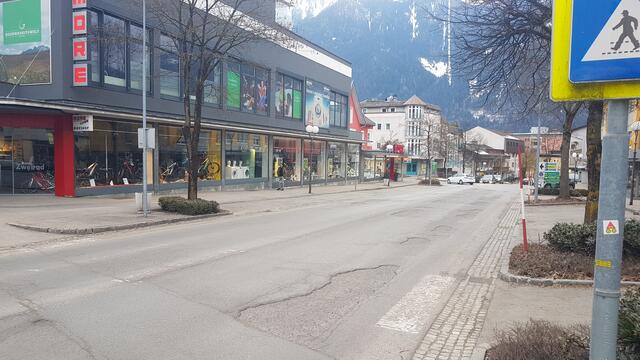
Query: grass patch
point(543, 261)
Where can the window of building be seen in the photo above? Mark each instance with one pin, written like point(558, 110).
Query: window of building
point(388, 126)
point(173, 159)
point(393, 109)
point(338, 112)
point(336, 161)
point(247, 88)
point(246, 155)
point(379, 126)
point(109, 155)
point(169, 67)
point(288, 97)
point(93, 40)
point(286, 155)
point(135, 58)
point(314, 159)
point(114, 50)
point(212, 85)
point(384, 110)
point(364, 111)
point(353, 160)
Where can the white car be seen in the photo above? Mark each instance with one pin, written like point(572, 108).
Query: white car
point(461, 179)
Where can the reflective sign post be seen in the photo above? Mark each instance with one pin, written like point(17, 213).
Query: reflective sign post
point(606, 297)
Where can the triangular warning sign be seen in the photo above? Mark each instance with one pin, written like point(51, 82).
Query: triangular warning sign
point(620, 37)
point(611, 229)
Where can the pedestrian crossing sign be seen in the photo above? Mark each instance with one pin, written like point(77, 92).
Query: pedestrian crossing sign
point(595, 50)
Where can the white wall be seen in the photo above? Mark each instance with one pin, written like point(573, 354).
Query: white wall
point(396, 120)
point(486, 137)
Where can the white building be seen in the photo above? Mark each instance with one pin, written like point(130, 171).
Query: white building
point(494, 151)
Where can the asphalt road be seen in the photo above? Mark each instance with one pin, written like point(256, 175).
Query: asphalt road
point(344, 276)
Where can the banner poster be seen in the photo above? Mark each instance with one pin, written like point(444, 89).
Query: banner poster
point(25, 42)
point(317, 104)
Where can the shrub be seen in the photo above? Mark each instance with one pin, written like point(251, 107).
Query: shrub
point(582, 238)
point(572, 237)
point(541, 340)
point(434, 182)
point(556, 192)
point(175, 204)
point(629, 325)
point(632, 237)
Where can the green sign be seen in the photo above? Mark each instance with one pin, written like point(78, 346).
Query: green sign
point(434, 167)
point(233, 90)
point(552, 177)
point(22, 22)
point(297, 104)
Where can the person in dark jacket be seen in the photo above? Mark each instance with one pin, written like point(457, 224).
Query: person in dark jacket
point(280, 174)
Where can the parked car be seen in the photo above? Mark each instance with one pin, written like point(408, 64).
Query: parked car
point(488, 179)
point(461, 179)
point(498, 179)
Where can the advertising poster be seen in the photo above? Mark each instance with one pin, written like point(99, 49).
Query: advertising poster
point(248, 94)
point(279, 99)
point(297, 104)
point(233, 90)
point(317, 104)
point(25, 42)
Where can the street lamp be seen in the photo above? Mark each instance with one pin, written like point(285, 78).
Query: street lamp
point(635, 127)
point(311, 129)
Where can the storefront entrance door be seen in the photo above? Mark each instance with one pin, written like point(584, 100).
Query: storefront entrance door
point(26, 161)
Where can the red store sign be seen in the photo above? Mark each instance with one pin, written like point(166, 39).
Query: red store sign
point(80, 46)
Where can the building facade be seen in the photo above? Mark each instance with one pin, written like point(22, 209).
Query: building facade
point(71, 97)
point(490, 151)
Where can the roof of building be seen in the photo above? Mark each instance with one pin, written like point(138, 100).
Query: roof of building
point(415, 100)
point(380, 103)
point(364, 120)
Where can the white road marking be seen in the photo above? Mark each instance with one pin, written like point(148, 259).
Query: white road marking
point(412, 312)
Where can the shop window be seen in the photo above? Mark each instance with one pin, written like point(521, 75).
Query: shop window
point(114, 51)
point(109, 155)
point(135, 58)
point(26, 161)
point(246, 156)
point(286, 155)
point(173, 159)
point(336, 161)
point(169, 67)
point(353, 160)
point(288, 97)
point(373, 167)
point(314, 159)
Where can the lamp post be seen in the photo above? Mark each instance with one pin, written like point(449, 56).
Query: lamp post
point(311, 129)
point(145, 143)
point(636, 130)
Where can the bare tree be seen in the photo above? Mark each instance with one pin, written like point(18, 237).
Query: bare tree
point(429, 127)
point(503, 47)
point(204, 33)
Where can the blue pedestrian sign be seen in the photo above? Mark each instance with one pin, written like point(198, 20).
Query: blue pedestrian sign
point(605, 41)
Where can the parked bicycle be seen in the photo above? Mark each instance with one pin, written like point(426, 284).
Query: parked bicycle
point(39, 181)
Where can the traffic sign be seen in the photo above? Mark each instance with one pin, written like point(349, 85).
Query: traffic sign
point(587, 60)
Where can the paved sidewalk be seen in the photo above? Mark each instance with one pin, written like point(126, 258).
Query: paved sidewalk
point(96, 214)
point(513, 303)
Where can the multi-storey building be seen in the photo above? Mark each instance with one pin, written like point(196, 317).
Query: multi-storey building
point(61, 64)
point(415, 124)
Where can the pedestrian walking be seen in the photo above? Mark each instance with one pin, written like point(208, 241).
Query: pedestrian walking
point(629, 24)
point(280, 175)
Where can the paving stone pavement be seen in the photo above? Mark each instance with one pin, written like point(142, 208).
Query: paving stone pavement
point(454, 333)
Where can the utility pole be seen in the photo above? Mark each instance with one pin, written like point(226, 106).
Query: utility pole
point(611, 216)
point(537, 173)
point(145, 144)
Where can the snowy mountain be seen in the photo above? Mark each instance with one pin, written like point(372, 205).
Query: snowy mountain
point(395, 48)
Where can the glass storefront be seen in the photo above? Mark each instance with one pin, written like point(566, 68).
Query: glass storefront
point(336, 161)
point(286, 154)
point(353, 160)
point(173, 159)
point(109, 155)
point(26, 161)
point(314, 158)
point(246, 156)
point(373, 167)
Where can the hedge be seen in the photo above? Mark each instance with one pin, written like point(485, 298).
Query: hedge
point(556, 192)
point(175, 204)
point(582, 238)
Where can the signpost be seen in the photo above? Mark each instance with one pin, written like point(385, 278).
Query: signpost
point(596, 56)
